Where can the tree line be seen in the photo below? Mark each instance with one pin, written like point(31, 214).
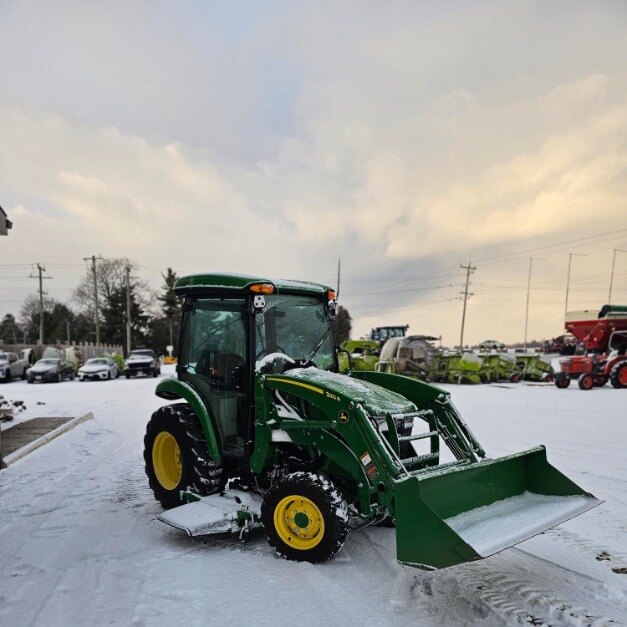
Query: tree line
point(155, 315)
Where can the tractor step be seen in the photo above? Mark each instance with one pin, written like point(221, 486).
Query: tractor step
point(233, 511)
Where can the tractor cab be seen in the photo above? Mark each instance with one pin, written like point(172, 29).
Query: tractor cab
point(230, 332)
point(383, 334)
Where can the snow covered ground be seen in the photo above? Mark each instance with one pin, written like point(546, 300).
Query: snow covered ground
point(79, 542)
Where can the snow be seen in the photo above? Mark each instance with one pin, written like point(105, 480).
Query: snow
point(268, 359)
point(80, 542)
point(212, 514)
point(494, 527)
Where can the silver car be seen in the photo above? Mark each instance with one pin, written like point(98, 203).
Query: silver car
point(98, 368)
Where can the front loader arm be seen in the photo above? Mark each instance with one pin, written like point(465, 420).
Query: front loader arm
point(452, 427)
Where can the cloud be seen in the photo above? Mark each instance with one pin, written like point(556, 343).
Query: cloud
point(403, 141)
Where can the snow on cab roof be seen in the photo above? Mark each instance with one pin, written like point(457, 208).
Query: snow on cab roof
point(224, 281)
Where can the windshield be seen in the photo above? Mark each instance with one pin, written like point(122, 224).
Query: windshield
point(141, 354)
point(294, 326)
point(3, 356)
point(49, 362)
point(96, 362)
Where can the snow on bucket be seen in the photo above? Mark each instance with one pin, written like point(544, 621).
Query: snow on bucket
point(463, 513)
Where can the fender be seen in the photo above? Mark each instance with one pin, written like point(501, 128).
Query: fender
point(172, 389)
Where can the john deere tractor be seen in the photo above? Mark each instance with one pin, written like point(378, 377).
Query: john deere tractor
point(263, 432)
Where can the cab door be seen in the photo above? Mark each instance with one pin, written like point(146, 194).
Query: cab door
point(214, 361)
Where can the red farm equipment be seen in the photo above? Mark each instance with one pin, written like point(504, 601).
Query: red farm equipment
point(604, 338)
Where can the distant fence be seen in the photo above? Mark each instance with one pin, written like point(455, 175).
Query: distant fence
point(86, 350)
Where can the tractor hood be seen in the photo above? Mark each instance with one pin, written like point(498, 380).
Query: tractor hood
point(375, 399)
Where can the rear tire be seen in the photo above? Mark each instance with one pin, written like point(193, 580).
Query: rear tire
point(7, 376)
point(23, 374)
point(618, 375)
point(586, 381)
point(127, 375)
point(304, 517)
point(176, 456)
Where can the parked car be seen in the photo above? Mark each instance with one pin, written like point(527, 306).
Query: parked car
point(50, 369)
point(142, 361)
point(98, 368)
point(491, 344)
point(11, 366)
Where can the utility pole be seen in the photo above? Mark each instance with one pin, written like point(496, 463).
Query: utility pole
point(469, 269)
point(128, 310)
point(531, 260)
point(40, 270)
point(616, 250)
point(67, 328)
point(570, 260)
point(337, 293)
point(96, 305)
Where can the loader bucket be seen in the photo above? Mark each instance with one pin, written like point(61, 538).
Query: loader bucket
point(463, 513)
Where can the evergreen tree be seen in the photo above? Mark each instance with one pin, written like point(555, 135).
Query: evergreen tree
point(9, 330)
point(113, 327)
point(170, 308)
point(343, 325)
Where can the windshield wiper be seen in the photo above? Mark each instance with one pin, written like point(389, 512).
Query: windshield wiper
point(318, 345)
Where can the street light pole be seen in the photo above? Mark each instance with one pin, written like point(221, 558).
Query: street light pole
point(616, 250)
point(570, 260)
point(531, 260)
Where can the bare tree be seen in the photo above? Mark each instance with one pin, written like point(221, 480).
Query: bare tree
point(110, 277)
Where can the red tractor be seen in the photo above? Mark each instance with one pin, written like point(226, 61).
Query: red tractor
point(596, 370)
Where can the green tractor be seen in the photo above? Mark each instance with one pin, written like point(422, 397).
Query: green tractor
point(263, 432)
point(383, 334)
point(364, 355)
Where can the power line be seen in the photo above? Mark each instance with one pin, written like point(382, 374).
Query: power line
point(562, 243)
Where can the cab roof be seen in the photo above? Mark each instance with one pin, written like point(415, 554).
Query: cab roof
point(219, 283)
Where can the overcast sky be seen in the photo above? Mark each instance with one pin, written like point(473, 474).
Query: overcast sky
point(274, 137)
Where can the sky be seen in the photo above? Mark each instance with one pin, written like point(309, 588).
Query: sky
point(273, 138)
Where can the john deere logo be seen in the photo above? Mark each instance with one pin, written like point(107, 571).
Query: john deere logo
point(343, 415)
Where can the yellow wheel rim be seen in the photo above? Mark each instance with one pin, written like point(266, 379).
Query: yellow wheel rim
point(299, 522)
point(166, 460)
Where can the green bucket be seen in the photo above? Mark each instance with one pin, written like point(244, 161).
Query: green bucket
point(446, 516)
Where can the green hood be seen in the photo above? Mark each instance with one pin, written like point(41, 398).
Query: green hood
point(376, 400)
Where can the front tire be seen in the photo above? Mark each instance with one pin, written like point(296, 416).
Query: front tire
point(618, 375)
point(304, 517)
point(176, 456)
point(561, 381)
point(586, 381)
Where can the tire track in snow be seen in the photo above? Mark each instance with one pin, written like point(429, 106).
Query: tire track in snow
point(510, 589)
point(609, 557)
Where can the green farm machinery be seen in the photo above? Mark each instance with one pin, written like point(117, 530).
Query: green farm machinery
point(535, 368)
point(499, 367)
point(263, 432)
point(456, 368)
point(360, 355)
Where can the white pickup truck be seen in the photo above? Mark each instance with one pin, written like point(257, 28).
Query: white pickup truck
point(11, 366)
